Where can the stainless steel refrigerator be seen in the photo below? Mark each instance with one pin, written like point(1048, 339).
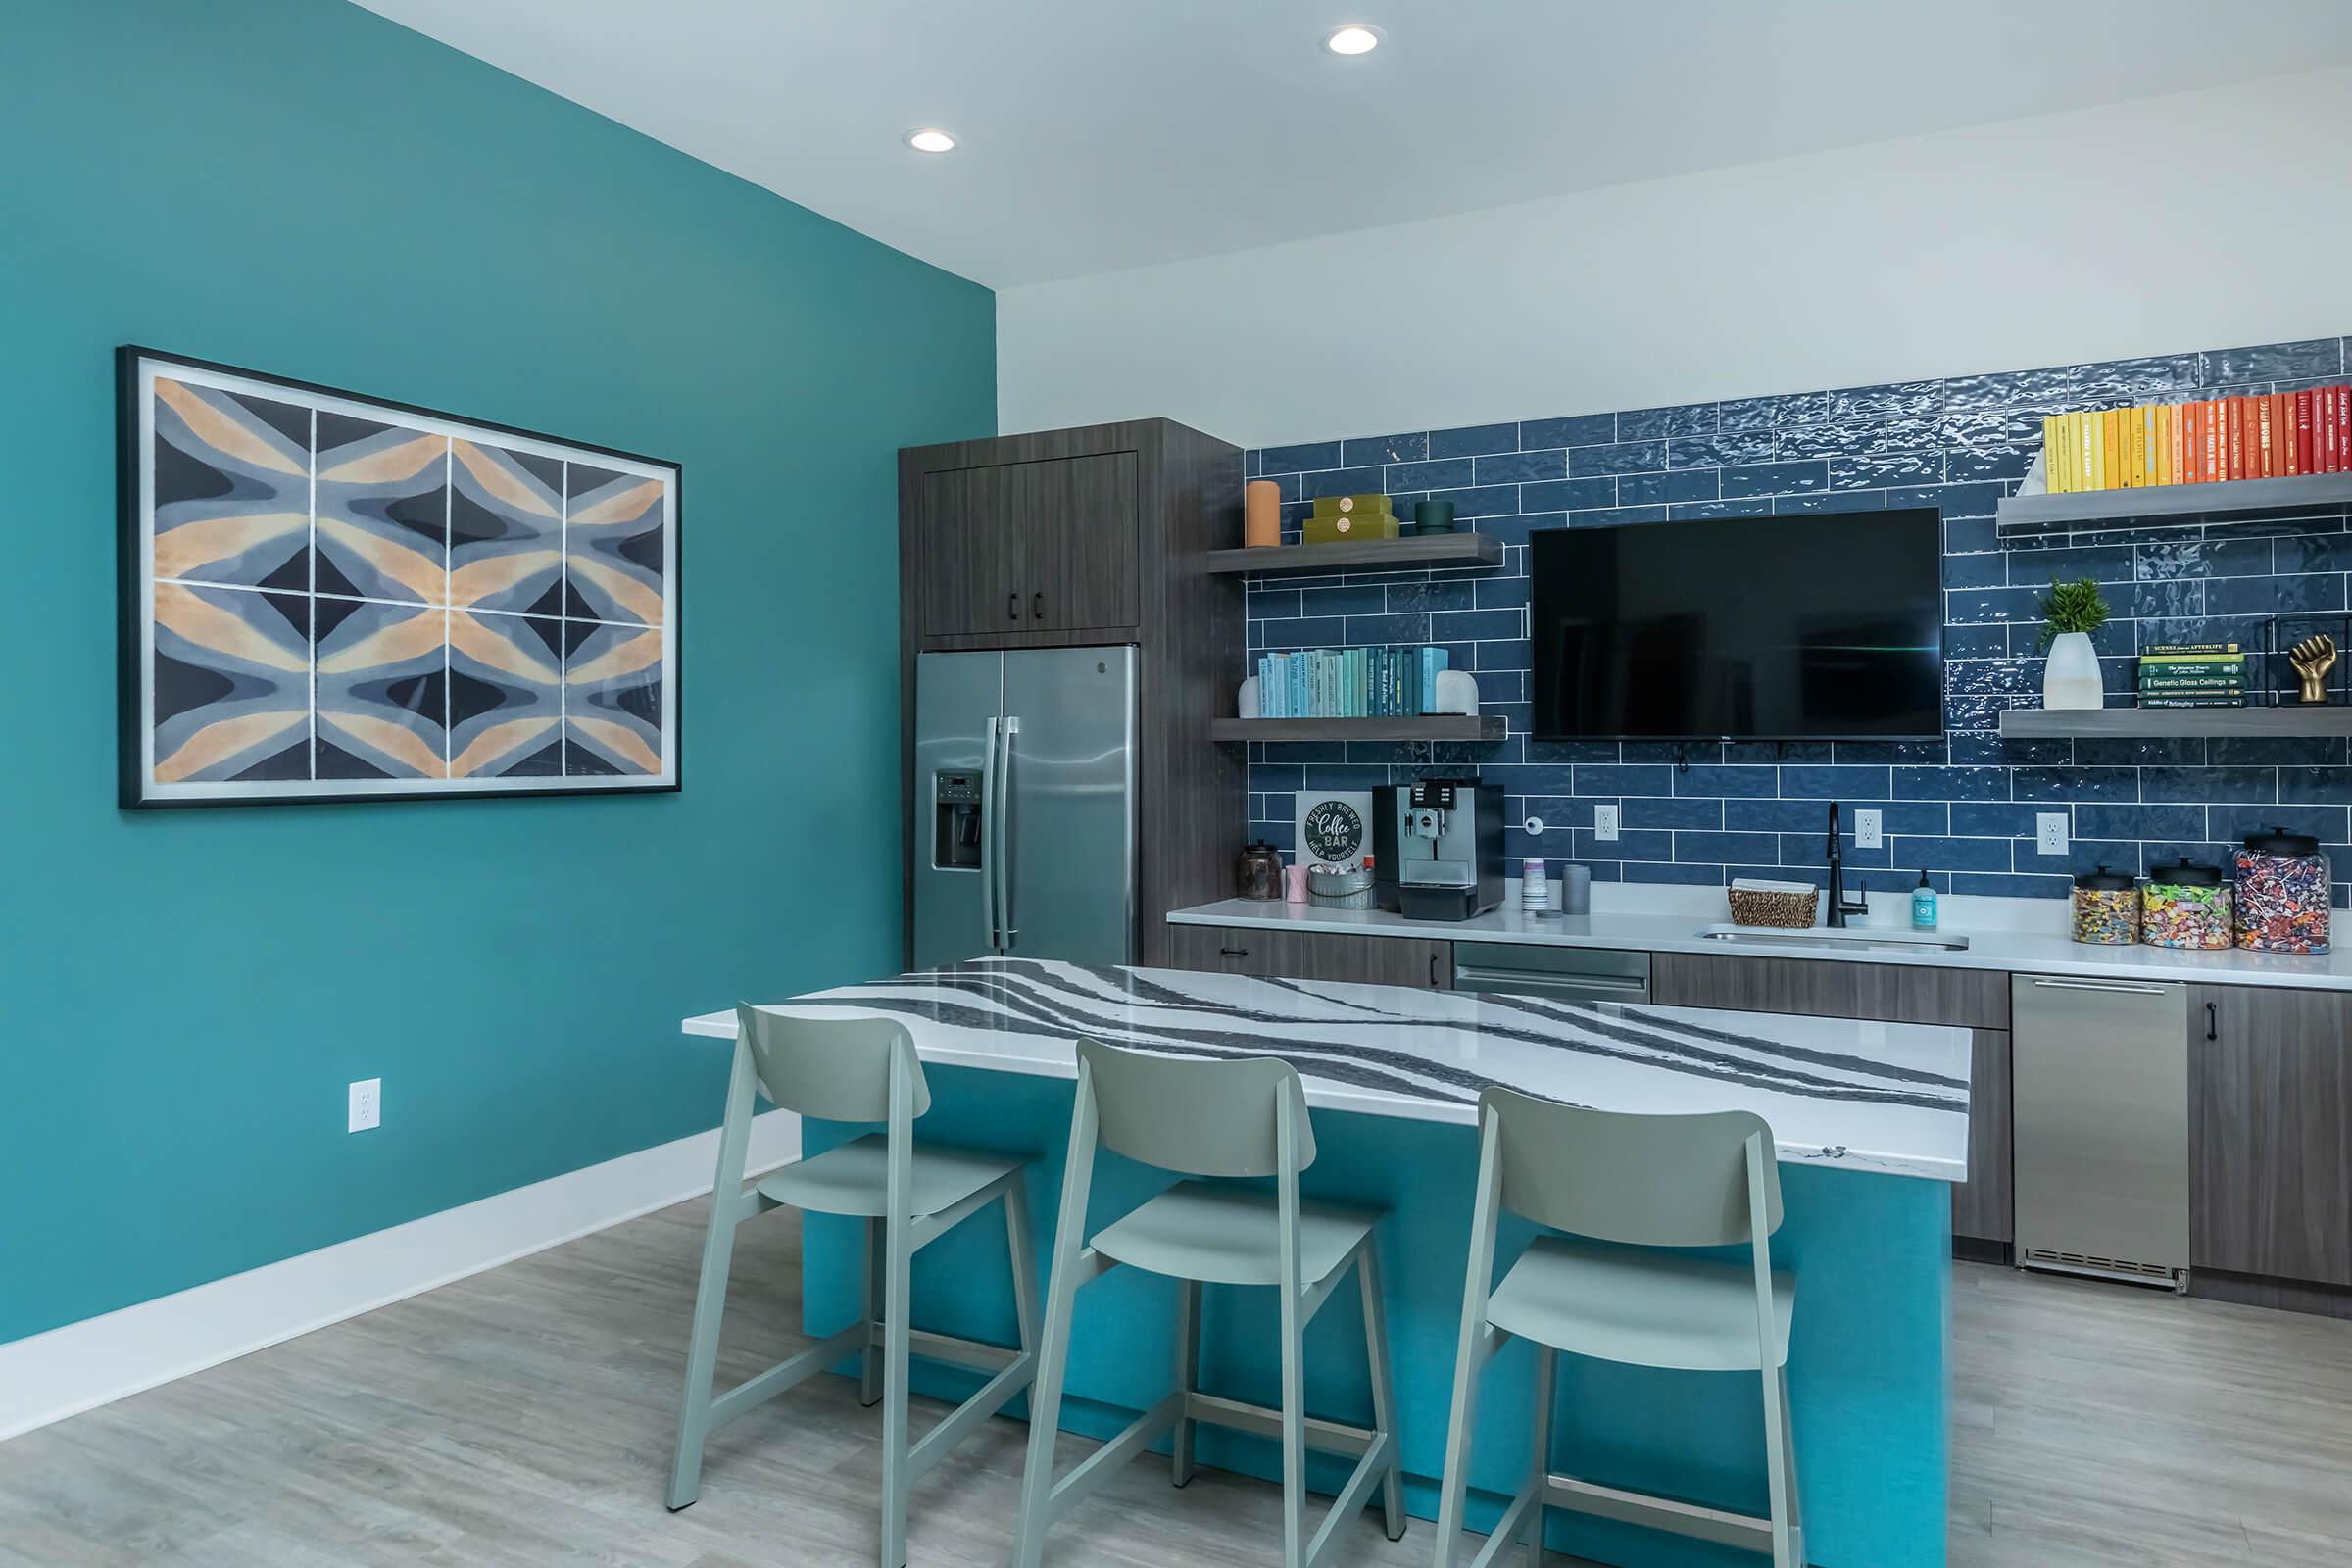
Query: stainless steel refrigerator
point(1024, 796)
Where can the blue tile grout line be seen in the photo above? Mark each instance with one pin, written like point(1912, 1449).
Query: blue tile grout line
point(1962, 809)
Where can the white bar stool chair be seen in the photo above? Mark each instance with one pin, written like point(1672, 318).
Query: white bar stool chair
point(1642, 1182)
point(1233, 1117)
point(909, 1195)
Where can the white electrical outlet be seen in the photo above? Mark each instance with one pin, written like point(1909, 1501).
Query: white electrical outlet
point(2050, 832)
point(1866, 830)
point(1604, 823)
point(367, 1105)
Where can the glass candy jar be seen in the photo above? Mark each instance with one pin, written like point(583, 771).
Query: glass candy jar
point(2185, 904)
point(2106, 907)
point(2284, 893)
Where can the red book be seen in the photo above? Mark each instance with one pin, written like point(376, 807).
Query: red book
point(2307, 460)
point(2329, 434)
point(2238, 439)
point(2322, 431)
point(2282, 434)
point(2343, 429)
point(2265, 413)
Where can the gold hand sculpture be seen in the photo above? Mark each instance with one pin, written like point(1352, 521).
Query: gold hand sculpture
point(2313, 658)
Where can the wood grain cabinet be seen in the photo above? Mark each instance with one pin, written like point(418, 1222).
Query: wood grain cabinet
point(1046, 545)
point(2269, 1133)
point(1315, 956)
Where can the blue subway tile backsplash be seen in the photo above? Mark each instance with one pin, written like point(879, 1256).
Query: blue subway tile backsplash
point(1963, 807)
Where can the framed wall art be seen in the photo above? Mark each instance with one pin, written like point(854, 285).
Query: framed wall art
point(327, 597)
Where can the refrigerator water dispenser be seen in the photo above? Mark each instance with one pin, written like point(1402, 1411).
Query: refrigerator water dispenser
point(956, 821)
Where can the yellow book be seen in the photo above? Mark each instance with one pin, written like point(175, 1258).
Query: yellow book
point(2061, 430)
point(2138, 416)
point(2053, 456)
point(2115, 464)
point(2086, 457)
point(2165, 413)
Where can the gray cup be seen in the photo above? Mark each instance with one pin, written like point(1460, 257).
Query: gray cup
point(1576, 889)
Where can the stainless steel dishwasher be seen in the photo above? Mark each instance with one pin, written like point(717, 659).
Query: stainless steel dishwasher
point(1573, 975)
point(2101, 1162)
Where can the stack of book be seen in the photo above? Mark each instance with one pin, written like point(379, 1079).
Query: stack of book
point(2192, 676)
point(1391, 681)
point(2273, 435)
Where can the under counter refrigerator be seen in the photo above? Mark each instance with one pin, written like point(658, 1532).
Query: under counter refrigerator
point(1024, 795)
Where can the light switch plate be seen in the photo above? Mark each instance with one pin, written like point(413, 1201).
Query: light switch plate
point(1604, 823)
point(367, 1105)
point(2050, 832)
point(1866, 830)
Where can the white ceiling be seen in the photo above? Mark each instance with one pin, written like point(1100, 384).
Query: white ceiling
point(1099, 134)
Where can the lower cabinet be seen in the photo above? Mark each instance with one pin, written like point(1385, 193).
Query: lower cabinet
point(2269, 1133)
point(1983, 1206)
point(1314, 955)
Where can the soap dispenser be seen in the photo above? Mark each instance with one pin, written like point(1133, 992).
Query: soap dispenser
point(1922, 905)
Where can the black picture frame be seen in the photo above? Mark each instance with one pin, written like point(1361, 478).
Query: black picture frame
point(139, 786)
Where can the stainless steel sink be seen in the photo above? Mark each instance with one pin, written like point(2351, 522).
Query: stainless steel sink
point(1868, 937)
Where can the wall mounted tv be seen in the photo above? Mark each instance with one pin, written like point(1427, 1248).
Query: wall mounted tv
point(1818, 626)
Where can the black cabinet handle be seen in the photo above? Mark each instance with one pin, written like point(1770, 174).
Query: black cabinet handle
point(1013, 607)
point(1233, 952)
point(2213, 1029)
point(1432, 971)
point(1036, 607)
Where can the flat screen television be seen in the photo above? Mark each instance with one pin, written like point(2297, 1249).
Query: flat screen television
point(1819, 626)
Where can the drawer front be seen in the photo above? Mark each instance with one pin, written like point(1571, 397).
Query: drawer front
point(1315, 956)
point(1968, 999)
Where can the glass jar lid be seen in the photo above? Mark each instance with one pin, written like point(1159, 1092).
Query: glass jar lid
point(2184, 873)
point(2278, 841)
point(2104, 881)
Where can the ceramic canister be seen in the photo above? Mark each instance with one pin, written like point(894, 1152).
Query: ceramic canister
point(1261, 513)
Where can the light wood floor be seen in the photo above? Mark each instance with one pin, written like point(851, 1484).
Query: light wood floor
point(524, 1417)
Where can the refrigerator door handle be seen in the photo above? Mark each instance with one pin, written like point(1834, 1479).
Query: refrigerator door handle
point(1001, 914)
point(992, 804)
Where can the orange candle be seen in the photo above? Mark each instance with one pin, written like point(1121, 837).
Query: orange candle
point(1261, 513)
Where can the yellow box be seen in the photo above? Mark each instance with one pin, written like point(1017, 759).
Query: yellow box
point(1340, 530)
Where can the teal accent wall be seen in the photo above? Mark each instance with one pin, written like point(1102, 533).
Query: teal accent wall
point(309, 191)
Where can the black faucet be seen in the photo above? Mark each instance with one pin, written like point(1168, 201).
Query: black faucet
point(1839, 908)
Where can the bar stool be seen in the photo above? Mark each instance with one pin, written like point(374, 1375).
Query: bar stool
point(860, 1069)
point(1642, 1182)
point(1231, 1117)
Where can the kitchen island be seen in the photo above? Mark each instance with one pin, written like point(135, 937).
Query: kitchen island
point(1871, 1122)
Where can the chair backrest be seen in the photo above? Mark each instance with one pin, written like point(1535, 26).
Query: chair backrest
point(1651, 1181)
point(1200, 1117)
point(835, 1069)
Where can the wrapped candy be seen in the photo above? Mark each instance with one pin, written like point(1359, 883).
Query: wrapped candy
point(2185, 904)
point(2106, 907)
point(2284, 893)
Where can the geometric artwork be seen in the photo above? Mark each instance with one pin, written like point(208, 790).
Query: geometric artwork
point(334, 597)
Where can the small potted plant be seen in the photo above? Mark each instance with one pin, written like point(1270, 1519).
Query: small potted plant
point(2071, 612)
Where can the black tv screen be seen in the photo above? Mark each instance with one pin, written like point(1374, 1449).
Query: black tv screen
point(1819, 627)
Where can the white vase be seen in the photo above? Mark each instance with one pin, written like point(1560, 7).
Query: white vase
point(2070, 677)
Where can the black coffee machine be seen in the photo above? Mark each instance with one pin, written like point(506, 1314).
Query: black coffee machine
point(1436, 848)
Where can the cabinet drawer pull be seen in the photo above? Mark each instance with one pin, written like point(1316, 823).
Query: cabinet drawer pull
point(1036, 607)
point(1013, 607)
point(2213, 1027)
point(1233, 952)
point(1432, 971)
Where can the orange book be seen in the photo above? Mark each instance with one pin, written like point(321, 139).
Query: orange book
point(2168, 444)
point(2265, 409)
point(2216, 465)
point(2193, 441)
point(2238, 439)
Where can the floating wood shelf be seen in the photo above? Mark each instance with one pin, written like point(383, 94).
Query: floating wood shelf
point(2124, 723)
point(2229, 501)
point(1371, 554)
point(1426, 727)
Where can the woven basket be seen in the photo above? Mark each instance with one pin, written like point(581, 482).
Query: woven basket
point(1791, 909)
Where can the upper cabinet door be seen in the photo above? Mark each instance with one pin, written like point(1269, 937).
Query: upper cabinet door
point(972, 524)
point(1079, 556)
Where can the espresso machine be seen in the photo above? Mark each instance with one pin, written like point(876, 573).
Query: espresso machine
point(1437, 848)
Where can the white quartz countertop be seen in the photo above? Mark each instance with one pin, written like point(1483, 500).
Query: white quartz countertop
point(1880, 1096)
point(1996, 942)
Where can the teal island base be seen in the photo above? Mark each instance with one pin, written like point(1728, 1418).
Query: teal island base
point(1867, 1368)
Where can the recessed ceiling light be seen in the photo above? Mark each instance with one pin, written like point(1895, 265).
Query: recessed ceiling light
point(1353, 39)
point(930, 140)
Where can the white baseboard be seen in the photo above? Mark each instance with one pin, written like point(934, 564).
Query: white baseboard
point(80, 1366)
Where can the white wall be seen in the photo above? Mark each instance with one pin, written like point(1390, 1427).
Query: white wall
point(2202, 221)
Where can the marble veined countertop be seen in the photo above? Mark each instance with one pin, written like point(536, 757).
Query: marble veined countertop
point(1880, 1096)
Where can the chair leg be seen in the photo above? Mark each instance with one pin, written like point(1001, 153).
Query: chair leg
point(1054, 1346)
point(710, 1289)
point(1020, 1244)
point(869, 1370)
point(1293, 1431)
point(897, 1346)
point(1796, 1505)
point(1777, 1469)
point(1539, 1469)
point(1188, 1377)
point(1384, 1396)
